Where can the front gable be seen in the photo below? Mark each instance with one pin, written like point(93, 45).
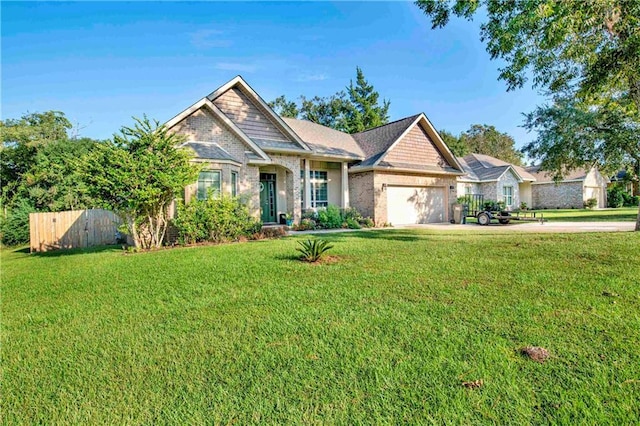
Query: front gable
point(415, 148)
point(204, 122)
point(242, 105)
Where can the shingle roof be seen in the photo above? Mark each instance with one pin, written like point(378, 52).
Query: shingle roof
point(210, 151)
point(266, 144)
point(376, 142)
point(480, 167)
point(324, 140)
point(545, 176)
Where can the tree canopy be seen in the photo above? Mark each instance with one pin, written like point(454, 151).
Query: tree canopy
point(584, 54)
point(483, 139)
point(354, 110)
point(138, 175)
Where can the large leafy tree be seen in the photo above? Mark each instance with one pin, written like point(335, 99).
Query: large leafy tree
point(485, 139)
point(354, 110)
point(574, 49)
point(138, 175)
point(455, 143)
point(21, 139)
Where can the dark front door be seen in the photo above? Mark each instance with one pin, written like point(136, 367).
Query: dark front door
point(268, 197)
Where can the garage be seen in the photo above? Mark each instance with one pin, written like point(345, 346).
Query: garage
point(411, 204)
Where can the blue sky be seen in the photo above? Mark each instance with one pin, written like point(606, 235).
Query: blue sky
point(102, 63)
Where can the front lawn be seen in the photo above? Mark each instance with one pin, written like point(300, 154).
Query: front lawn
point(245, 333)
point(622, 214)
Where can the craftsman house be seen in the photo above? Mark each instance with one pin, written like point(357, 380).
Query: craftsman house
point(401, 172)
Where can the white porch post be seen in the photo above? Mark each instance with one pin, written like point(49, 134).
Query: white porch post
point(345, 186)
point(307, 184)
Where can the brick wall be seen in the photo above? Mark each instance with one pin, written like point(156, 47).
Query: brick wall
point(203, 126)
point(563, 195)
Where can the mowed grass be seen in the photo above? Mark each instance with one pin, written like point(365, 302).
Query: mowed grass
point(622, 214)
point(245, 333)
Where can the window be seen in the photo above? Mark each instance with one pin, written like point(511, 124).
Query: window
point(507, 192)
point(234, 184)
point(467, 190)
point(208, 181)
point(319, 188)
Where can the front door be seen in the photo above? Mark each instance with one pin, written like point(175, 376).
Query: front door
point(268, 197)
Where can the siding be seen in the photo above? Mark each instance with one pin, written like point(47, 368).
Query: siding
point(248, 116)
point(416, 148)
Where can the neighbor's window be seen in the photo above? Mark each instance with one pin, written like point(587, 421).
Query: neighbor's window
point(507, 192)
point(234, 184)
point(319, 185)
point(208, 181)
point(467, 190)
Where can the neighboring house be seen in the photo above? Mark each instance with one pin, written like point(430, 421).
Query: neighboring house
point(496, 180)
point(400, 173)
point(571, 192)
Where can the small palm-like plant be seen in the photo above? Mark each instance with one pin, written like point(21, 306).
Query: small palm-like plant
point(313, 250)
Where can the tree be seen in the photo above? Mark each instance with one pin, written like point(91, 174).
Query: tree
point(588, 50)
point(573, 133)
point(53, 182)
point(352, 111)
point(455, 143)
point(484, 139)
point(138, 175)
point(363, 112)
point(284, 107)
point(21, 140)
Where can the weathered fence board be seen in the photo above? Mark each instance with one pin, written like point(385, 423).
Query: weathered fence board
point(72, 229)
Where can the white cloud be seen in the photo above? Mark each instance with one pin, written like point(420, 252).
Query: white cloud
point(236, 66)
point(207, 39)
point(313, 77)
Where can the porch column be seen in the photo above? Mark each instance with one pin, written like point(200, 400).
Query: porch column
point(307, 184)
point(344, 177)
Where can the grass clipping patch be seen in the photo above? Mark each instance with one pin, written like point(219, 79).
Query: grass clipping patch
point(535, 353)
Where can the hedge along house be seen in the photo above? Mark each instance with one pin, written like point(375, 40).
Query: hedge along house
point(496, 180)
point(249, 151)
point(572, 191)
point(408, 176)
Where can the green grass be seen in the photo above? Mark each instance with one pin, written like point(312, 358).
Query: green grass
point(622, 214)
point(246, 333)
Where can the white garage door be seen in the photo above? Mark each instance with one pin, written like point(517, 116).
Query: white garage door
point(407, 205)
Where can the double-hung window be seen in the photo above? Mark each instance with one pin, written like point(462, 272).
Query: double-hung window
point(319, 188)
point(234, 184)
point(507, 193)
point(209, 181)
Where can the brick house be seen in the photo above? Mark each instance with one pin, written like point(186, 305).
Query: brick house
point(501, 181)
point(401, 172)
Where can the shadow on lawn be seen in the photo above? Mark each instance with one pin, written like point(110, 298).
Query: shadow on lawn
point(73, 252)
point(382, 234)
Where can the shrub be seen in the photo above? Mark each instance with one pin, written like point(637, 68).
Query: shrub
point(591, 203)
point(352, 223)
point(523, 206)
point(15, 227)
point(313, 250)
point(630, 200)
point(329, 217)
point(305, 225)
point(615, 197)
point(214, 220)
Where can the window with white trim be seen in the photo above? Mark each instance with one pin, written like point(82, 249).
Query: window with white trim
point(319, 188)
point(507, 193)
point(209, 181)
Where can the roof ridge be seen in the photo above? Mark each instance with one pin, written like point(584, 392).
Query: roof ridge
point(413, 117)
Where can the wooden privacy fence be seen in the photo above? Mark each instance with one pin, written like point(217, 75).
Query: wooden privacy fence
point(72, 229)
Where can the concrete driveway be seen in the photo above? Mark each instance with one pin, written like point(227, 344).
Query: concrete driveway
point(559, 227)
